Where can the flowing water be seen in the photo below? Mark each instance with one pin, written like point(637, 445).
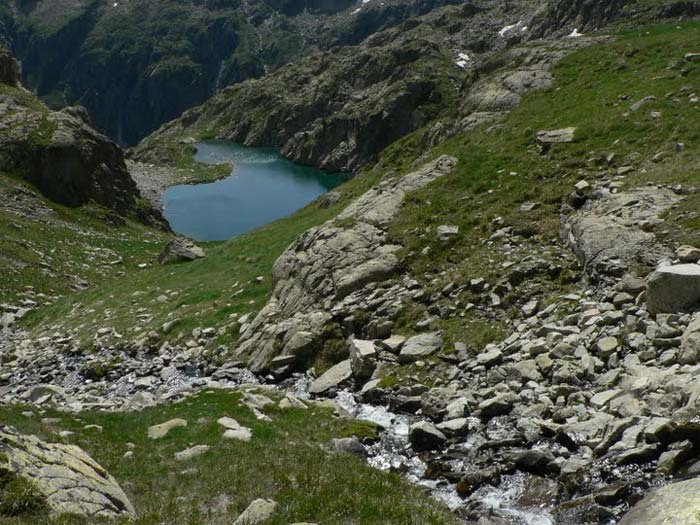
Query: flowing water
point(393, 452)
point(263, 187)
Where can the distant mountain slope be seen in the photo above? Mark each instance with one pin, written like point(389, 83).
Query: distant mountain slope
point(135, 64)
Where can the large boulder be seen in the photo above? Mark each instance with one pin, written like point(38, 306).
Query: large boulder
point(677, 504)
point(327, 264)
point(181, 250)
point(67, 478)
point(673, 288)
point(612, 232)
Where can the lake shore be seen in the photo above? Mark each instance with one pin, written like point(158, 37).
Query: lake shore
point(152, 181)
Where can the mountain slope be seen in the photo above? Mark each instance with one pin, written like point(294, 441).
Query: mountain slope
point(136, 64)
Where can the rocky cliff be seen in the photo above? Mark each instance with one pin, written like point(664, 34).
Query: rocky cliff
point(62, 154)
point(137, 64)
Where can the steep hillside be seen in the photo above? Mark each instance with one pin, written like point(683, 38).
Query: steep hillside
point(501, 306)
point(139, 63)
point(500, 266)
point(337, 110)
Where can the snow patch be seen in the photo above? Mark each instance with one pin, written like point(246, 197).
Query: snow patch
point(462, 60)
point(575, 33)
point(520, 26)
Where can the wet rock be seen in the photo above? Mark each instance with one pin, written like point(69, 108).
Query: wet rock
point(472, 481)
point(425, 436)
point(535, 461)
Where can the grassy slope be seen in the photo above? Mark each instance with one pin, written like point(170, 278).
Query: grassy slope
point(501, 167)
point(287, 459)
point(589, 84)
point(202, 293)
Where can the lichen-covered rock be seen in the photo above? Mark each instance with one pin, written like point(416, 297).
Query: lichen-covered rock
point(327, 264)
point(70, 481)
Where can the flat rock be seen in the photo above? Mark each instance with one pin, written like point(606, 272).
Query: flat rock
point(70, 480)
point(332, 378)
point(420, 346)
point(161, 430)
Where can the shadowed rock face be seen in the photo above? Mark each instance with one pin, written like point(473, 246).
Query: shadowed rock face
point(327, 264)
point(9, 72)
point(70, 481)
point(62, 154)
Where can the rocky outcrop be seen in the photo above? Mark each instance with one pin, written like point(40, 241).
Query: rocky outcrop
point(64, 475)
point(327, 264)
point(614, 231)
point(66, 158)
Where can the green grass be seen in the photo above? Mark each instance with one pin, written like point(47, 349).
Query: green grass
point(208, 292)
point(500, 167)
point(55, 253)
point(288, 460)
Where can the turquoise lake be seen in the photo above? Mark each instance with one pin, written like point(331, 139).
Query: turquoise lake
point(263, 187)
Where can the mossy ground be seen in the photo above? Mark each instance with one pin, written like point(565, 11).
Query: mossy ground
point(288, 459)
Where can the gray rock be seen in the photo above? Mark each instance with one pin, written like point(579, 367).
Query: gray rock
point(161, 430)
point(557, 136)
point(677, 502)
point(332, 378)
point(425, 436)
point(70, 481)
point(258, 511)
point(363, 356)
point(191, 453)
point(349, 445)
point(446, 232)
point(179, 250)
point(420, 346)
point(672, 289)
point(498, 405)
